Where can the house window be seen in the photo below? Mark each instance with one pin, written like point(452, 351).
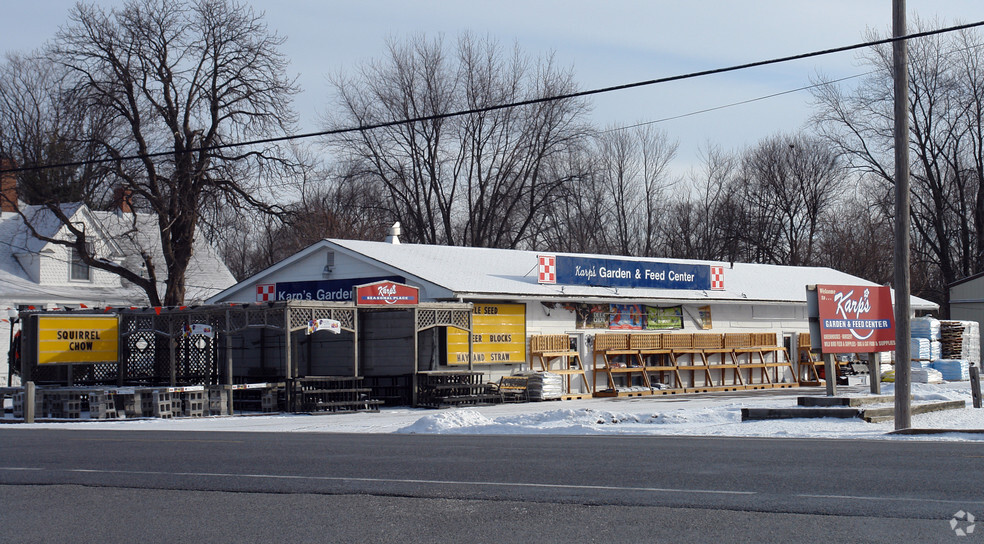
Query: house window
point(79, 269)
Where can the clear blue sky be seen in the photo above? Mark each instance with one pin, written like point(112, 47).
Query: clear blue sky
point(606, 43)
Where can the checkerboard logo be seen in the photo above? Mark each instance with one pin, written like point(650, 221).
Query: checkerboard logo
point(717, 278)
point(266, 292)
point(547, 269)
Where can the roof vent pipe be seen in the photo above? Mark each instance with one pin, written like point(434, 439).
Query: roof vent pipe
point(394, 234)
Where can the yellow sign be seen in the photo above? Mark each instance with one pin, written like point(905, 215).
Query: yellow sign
point(78, 339)
point(498, 336)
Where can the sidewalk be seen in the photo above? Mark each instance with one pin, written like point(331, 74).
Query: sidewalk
point(696, 414)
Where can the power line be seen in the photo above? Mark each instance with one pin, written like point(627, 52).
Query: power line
point(732, 104)
point(529, 102)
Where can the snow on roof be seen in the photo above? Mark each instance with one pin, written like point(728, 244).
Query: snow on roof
point(207, 274)
point(475, 272)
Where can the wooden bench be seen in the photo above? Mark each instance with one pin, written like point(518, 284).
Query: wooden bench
point(514, 388)
point(555, 355)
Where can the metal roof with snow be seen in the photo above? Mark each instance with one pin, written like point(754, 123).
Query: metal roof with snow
point(483, 273)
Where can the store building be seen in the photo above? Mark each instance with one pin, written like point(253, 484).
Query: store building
point(519, 295)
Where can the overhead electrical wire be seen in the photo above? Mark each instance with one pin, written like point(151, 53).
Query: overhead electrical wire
point(532, 101)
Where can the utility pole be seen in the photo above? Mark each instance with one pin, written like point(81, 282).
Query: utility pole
point(903, 359)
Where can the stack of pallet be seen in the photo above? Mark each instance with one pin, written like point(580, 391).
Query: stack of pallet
point(960, 340)
point(332, 394)
point(440, 389)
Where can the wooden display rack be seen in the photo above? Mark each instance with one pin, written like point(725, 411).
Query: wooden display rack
point(656, 359)
point(807, 362)
point(610, 346)
point(682, 345)
point(712, 345)
point(759, 344)
point(551, 349)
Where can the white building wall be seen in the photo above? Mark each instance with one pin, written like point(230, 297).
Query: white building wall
point(967, 303)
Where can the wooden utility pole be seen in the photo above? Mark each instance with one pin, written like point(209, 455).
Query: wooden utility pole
point(903, 359)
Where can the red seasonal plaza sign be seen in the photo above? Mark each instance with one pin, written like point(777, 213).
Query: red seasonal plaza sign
point(386, 293)
point(856, 319)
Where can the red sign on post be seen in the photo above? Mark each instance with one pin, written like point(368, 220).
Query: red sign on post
point(386, 293)
point(856, 319)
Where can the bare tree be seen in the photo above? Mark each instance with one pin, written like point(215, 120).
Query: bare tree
point(40, 124)
point(697, 226)
point(633, 168)
point(946, 114)
point(185, 78)
point(791, 182)
point(476, 179)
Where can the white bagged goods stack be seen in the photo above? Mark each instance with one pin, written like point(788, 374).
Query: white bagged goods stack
point(972, 342)
point(953, 370)
point(926, 375)
point(919, 349)
point(928, 328)
point(543, 385)
point(925, 327)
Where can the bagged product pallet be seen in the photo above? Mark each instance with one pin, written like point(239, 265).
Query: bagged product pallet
point(953, 370)
point(926, 375)
point(543, 385)
point(919, 349)
point(925, 327)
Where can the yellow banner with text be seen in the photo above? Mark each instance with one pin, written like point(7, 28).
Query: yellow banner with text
point(78, 339)
point(498, 336)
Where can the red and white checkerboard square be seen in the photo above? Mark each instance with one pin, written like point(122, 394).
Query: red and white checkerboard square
point(266, 292)
point(717, 278)
point(547, 269)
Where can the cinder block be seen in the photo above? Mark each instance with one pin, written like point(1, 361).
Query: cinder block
point(218, 400)
point(102, 405)
point(193, 403)
point(162, 404)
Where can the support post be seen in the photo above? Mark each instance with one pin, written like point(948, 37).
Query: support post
point(29, 394)
point(903, 408)
point(228, 345)
point(975, 385)
point(830, 372)
point(874, 373)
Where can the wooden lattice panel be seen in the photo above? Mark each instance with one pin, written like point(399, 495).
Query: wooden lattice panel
point(804, 340)
point(606, 342)
point(764, 339)
point(678, 341)
point(542, 343)
point(708, 341)
point(645, 341)
point(737, 340)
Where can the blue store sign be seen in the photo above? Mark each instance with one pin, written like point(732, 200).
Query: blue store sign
point(618, 273)
point(325, 290)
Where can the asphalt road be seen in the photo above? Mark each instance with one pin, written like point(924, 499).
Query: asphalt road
point(111, 486)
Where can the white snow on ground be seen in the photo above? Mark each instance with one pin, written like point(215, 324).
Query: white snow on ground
point(706, 414)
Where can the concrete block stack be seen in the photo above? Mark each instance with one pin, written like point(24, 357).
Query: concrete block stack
point(102, 405)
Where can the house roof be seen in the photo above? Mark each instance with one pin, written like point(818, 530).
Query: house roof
point(484, 273)
point(207, 273)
